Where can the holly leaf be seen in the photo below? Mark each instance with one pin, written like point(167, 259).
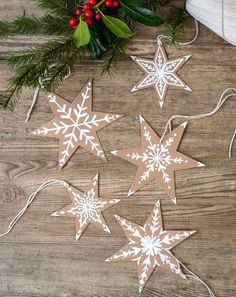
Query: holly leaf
point(141, 14)
point(118, 27)
point(81, 35)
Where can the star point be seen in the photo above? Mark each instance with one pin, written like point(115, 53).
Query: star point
point(161, 73)
point(184, 124)
point(130, 193)
point(174, 200)
point(86, 207)
point(114, 153)
point(76, 124)
point(150, 246)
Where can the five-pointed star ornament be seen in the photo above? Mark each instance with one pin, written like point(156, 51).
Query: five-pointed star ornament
point(150, 246)
point(157, 159)
point(161, 73)
point(86, 208)
point(76, 124)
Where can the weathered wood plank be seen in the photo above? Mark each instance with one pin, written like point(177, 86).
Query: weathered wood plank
point(40, 257)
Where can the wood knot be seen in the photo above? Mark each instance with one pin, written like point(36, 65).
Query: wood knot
point(8, 191)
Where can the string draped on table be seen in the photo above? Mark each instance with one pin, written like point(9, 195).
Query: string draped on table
point(224, 97)
point(31, 198)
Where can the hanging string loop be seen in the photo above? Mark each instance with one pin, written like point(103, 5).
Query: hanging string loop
point(41, 87)
point(162, 36)
point(225, 96)
point(30, 200)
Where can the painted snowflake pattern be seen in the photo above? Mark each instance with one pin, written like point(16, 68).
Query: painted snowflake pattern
point(161, 73)
point(86, 207)
point(150, 246)
point(157, 159)
point(75, 124)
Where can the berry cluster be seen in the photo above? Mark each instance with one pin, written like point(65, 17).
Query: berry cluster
point(90, 11)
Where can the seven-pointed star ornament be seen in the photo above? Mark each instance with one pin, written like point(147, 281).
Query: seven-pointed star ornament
point(76, 124)
point(161, 73)
point(86, 207)
point(157, 159)
point(150, 246)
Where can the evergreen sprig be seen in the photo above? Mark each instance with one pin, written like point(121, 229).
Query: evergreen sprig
point(176, 23)
point(115, 51)
point(50, 61)
point(48, 24)
point(56, 7)
point(105, 40)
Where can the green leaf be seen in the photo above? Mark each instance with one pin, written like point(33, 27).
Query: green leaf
point(96, 47)
point(118, 27)
point(81, 35)
point(141, 14)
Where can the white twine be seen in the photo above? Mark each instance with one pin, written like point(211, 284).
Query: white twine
point(231, 143)
point(196, 277)
point(162, 36)
point(221, 101)
point(195, 37)
point(30, 200)
point(41, 87)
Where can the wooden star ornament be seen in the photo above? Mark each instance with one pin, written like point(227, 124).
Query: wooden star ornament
point(161, 73)
point(86, 208)
point(76, 124)
point(150, 246)
point(157, 159)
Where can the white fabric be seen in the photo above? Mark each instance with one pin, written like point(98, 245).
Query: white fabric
point(217, 15)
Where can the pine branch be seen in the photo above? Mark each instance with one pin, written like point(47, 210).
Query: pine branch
point(52, 61)
point(55, 25)
point(48, 24)
point(177, 23)
point(115, 50)
point(49, 52)
point(57, 7)
point(9, 98)
point(4, 28)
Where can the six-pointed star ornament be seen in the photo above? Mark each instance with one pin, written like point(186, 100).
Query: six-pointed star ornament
point(161, 73)
point(76, 124)
point(150, 246)
point(86, 207)
point(157, 159)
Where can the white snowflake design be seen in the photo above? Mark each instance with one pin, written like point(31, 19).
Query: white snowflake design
point(86, 208)
point(160, 73)
point(150, 246)
point(156, 157)
point(75, 125)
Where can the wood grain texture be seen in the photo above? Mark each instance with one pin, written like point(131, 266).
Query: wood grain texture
point(40, 257)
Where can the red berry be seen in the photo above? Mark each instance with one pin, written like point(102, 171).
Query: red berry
point(89, 21)
point(98, 16)
point(87, 6)
point(88, 14)
point(116, 4)
point(92, 2)
point(108, 3)
point(78, 11)
point(73, 22)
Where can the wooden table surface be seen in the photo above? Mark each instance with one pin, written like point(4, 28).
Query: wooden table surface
point(40, 257)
